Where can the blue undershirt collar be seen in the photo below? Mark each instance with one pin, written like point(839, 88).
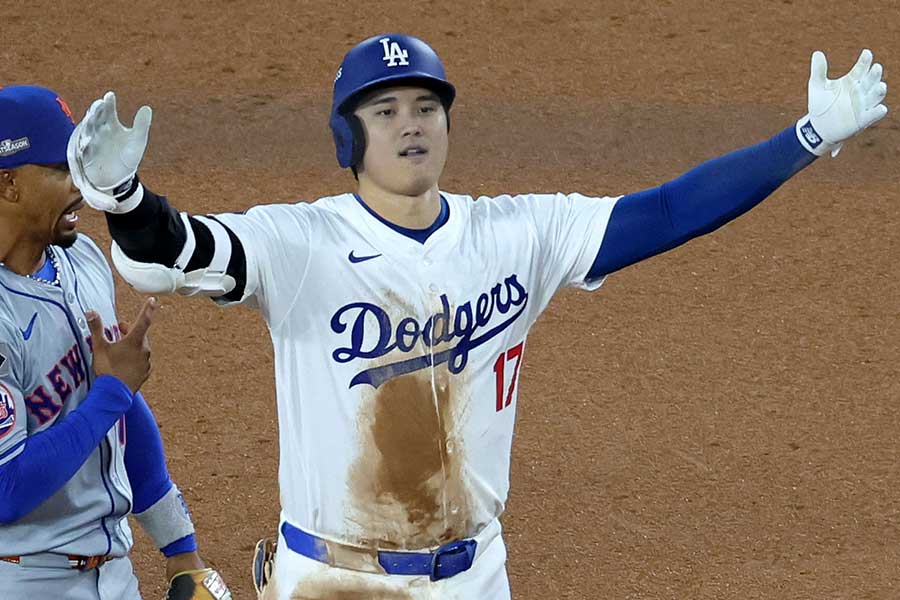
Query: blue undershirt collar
point(419, 235)
point(47, 271)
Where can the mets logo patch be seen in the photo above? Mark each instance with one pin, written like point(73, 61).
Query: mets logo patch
point(7, 411)
point(64, 106)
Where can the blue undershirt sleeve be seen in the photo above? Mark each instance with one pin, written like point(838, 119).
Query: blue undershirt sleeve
point(50, 458)
point(650, 222)
point(145, 460)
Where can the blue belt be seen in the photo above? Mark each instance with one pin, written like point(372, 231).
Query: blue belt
point(448, 560)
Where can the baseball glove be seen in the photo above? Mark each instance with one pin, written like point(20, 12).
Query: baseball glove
point(263, 564)
point(200, 584)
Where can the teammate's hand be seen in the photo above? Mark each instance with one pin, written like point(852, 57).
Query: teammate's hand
point(841, 108)
point(129, 358)
point(104, 155)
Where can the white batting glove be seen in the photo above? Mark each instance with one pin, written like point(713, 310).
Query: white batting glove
point(841, 108)
point(104, 156)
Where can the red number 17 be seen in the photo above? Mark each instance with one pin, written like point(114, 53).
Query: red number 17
point(514, 353)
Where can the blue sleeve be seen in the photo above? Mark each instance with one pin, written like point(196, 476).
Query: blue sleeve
point(186, 544)
point(700, 201)
point(50, 458)
point(145, 460)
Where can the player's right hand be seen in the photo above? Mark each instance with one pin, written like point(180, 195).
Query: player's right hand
point(104, 155)
point(841, 108)
point(129, 358)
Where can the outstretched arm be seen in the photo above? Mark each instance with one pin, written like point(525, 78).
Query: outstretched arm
point(156, 249)
point(650, 222)
point(192, 254)
point(705, 198)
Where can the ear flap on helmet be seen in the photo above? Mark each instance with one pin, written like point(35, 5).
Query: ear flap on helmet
point(343, 139)
point(358, 133)
point(349, 139)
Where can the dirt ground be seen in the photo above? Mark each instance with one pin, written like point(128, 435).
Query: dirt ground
point(718, 422)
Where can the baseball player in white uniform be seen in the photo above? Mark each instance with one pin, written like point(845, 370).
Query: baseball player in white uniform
point(79, 447)
point(399, 313)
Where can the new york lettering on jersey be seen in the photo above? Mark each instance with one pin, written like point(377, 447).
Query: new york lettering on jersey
point(58, 362)
point(53, 378)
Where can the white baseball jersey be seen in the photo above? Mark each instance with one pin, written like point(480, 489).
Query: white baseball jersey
point(396, 362)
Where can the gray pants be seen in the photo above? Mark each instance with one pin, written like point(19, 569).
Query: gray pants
point(114, 580)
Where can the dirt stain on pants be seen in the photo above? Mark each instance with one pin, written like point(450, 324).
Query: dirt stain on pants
point(347, 586)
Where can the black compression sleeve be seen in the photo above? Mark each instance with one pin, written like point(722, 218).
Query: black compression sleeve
point(151, 233)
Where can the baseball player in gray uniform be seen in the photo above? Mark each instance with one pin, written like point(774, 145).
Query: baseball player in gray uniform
point(79, 447)
point(399, 313)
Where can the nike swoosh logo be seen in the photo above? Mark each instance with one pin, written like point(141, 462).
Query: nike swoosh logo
point(26, 333)
point(358, 259)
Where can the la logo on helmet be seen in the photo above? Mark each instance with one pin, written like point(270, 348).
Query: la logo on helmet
point(394, 55)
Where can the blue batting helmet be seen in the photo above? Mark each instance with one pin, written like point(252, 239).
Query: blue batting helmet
point(392, 58)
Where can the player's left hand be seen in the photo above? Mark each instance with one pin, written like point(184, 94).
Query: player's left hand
point(198, 584)
point(841, 108)
point(104, 155)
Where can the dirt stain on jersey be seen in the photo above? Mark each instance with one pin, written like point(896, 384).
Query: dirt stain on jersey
point(407, 486)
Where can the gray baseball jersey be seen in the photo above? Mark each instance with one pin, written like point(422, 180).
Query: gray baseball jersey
point(45, 373)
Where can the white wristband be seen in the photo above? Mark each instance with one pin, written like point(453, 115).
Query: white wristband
point(129, 203)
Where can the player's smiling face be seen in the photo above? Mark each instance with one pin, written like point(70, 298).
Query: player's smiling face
point(49, 203)
point(406, 139)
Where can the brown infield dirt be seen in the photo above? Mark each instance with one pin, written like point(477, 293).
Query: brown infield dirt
point(718, 422)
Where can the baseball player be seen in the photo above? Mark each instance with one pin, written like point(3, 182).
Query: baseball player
point(399, 313)
point(79, 447)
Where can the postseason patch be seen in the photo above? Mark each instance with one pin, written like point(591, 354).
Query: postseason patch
point(7, 411)
point(9, 147)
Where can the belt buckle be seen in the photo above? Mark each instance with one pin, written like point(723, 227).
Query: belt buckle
point(86, 563)
point(454, 549)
